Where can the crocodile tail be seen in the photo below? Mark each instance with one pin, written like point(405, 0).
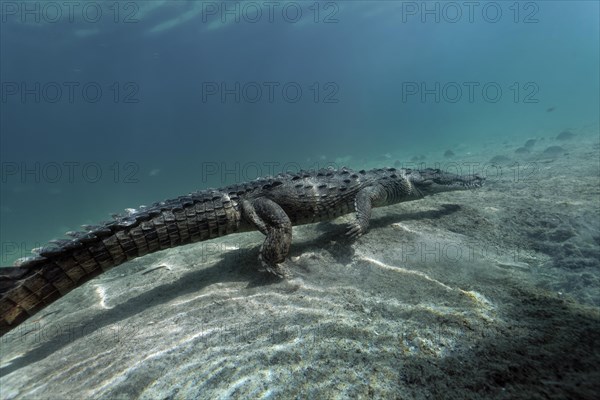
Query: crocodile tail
point(55, 270)
point(26, 289)
point(10, 311)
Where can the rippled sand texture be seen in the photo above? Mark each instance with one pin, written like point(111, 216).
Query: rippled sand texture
point(461, 295)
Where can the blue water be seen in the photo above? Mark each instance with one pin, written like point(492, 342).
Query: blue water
point(377, 80)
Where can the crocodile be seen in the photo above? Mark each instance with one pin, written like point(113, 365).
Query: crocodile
point(271, 205)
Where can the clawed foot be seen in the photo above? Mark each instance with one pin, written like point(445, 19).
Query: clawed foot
point(278, 270)
point(354, 231)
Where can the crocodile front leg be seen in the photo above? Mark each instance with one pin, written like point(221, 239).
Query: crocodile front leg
point(269, 218)
point(363, 204)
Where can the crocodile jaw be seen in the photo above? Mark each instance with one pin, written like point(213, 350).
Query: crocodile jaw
point(430, 181)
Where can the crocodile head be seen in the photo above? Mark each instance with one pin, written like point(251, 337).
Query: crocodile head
point(432, 180)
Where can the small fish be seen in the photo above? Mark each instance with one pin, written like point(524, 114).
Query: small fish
point(550, 109)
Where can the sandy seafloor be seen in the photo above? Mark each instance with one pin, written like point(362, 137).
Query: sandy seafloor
point(492, 293)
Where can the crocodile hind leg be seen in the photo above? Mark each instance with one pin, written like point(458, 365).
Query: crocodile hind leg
point(363, 204)
point(269, 218)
